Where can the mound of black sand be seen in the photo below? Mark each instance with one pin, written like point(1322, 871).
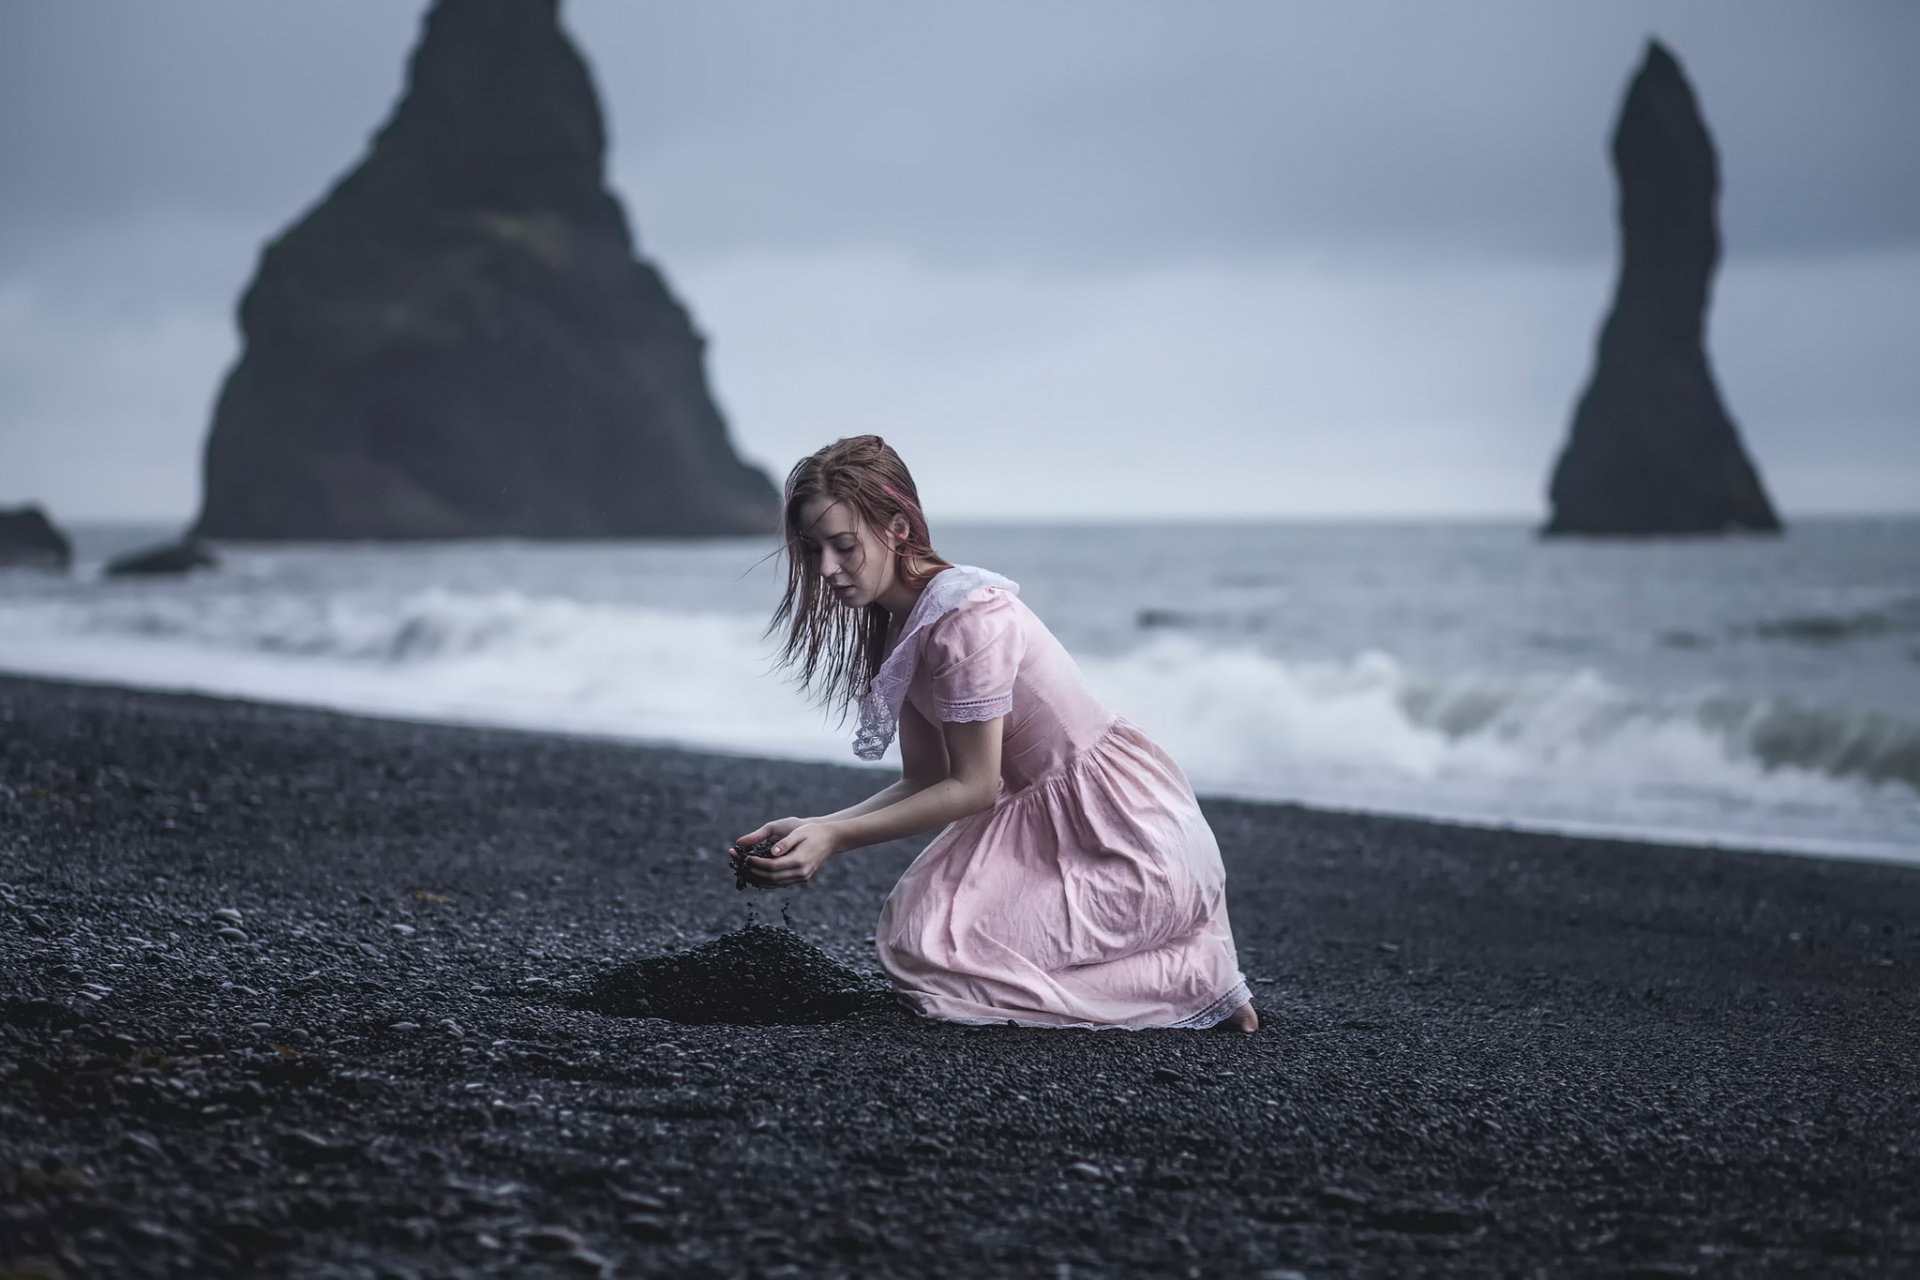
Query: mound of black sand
point(755, 976)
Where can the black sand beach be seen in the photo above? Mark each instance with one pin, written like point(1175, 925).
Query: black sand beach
point(284, 992)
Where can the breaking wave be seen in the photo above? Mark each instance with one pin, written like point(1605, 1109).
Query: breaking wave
point(1564, 747)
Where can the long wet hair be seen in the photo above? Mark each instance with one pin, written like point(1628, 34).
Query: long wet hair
point(838, 650)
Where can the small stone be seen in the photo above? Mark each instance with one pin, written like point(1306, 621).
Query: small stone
point(586, 1260)
point(1425, 1217)
point(404, 930)
point(232, 934)
point(146, 1144)
point(1167, 1075)
point(641, 1200)
point(554, 1240)
point(1091, 1172)
point(1388, 947)
point(228, 914)
point(647, 1226)
point(305, 1147)
point(404, 1026)
point(1340, 1198)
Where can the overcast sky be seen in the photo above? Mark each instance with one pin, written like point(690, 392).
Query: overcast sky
point(1104, 257)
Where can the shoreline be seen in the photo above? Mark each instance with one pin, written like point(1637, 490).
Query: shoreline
point(281, 991)
point(1678, 840)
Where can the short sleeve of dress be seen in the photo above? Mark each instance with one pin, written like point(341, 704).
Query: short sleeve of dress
point(972, 654)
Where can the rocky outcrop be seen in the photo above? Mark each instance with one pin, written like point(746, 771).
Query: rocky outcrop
point(28, 540)
point(167, 559)
point(459, 340)
point(1652, 449)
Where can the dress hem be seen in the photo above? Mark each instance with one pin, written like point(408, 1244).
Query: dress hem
point(1216, 1012)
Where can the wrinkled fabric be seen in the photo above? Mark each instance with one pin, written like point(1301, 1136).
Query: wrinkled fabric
point(1092, 892)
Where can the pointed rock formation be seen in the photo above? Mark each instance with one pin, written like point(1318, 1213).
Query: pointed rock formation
point(1653, 450)
point(459, 340)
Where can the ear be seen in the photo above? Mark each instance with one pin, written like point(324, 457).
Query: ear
point(898, 526)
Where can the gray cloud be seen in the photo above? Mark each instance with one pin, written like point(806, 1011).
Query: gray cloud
point(1236, 257)
point(1078, 133)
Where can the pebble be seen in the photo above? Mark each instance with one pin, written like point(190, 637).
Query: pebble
point(588, 1261)
point(641, 1201)
point(1167, 1075)
point(1340, 1198)
point(647, 1226)
point(232, 934)
point(1091, 1172)
point(404, 1026)
point(227, 914)
point(404, 930)
point(555, 1240)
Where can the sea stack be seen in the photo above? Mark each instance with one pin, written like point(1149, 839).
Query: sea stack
point(459, 340)
point(1653, 450)
point(29, 540)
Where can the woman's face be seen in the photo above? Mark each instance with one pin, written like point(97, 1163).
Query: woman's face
point(853, 563)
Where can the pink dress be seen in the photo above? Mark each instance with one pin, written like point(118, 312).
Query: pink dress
point(1091, 894)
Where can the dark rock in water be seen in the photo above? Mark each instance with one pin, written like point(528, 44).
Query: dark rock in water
point(1653, 450)
point(174, 557)
point(28, 540)
point(459, 340)
point(758, 975)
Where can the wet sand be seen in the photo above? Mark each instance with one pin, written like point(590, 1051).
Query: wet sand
point(287, 992)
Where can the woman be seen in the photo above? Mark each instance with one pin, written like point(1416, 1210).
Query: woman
point(1075, 882)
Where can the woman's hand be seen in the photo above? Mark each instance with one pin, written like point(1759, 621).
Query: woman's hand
point(778, 828)
point(801, 852)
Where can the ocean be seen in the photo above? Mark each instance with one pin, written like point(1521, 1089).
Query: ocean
point(1750, 692)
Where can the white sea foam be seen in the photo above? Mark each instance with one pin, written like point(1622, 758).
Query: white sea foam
point(1566, 751)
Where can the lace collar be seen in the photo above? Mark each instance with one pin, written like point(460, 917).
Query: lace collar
point(880, 708)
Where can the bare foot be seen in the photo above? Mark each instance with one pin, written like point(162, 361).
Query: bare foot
point(1243, 1019)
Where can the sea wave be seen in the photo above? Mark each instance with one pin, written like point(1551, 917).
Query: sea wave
point(1366, 730)
point(1373, 710)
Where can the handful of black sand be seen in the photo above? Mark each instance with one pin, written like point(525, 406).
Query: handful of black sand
point(737, 859)
point(758, 975)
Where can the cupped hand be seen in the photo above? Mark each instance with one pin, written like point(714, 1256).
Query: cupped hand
point(800, 853)
point(777, 828)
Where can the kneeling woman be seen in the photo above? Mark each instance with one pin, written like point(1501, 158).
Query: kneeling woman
point(1075, 882)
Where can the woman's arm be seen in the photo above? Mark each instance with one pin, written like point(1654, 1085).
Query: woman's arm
point(971, 784)
point(893, 793)
point(923, 762)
